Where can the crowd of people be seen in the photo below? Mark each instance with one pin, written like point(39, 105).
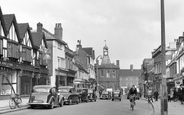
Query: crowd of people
point(176, 94)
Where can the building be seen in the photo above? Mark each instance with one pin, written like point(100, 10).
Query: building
point(108, 73)
point(21, 60)
point(61, 67)
point(129, 77)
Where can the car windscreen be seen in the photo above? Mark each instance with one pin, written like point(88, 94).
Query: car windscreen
point(41, 89)
point(63, 90)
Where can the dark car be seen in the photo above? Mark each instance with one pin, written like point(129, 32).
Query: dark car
point(105, 95)
point(116, 95)
point(69, 93)
point(45, 95)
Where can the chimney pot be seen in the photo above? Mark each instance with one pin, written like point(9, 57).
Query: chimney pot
point(58, 31)
point(39, 27)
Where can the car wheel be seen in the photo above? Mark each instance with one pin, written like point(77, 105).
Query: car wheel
point(119, 99)
point(52, 104)
point(112, 99)
point(61, 103)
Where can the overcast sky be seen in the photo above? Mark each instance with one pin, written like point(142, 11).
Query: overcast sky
point(130, 27)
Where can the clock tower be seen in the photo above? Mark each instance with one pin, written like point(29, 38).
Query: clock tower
point(106, 59)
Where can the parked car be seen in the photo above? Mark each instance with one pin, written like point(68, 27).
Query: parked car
point(116, 94)
point(70, 95)
point(45, 95)
point(105, 95)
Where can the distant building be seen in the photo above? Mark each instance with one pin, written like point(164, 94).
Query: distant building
point(129, 77)
point(108, 72)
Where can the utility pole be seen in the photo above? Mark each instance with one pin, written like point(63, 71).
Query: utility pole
point(164, 101)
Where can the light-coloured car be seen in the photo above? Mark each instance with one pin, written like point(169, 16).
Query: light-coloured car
point(46, 96)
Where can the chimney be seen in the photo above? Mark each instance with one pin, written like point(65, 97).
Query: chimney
point(79, 44)
point(58, 31)
point(117, 62)
point(131, 67)
point(39, 27)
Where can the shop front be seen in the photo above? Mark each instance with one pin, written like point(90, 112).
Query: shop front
point(8, 79)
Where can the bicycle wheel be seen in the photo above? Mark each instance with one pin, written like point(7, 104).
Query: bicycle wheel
point(12, 104)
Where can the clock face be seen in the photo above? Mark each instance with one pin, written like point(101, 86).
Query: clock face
point(105, 52)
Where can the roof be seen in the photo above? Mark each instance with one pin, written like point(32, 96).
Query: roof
point(58, 40)
point(80, 67)
point(89, 51)
point(22, 29)
point(48, 86)
point(110, 66)
point(8, 19)
point(37, 38)
point(128, 72)
point(2, 21)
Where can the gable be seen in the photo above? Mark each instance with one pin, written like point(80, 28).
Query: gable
point(26, 40)
point(12, 34)
point(1, 29)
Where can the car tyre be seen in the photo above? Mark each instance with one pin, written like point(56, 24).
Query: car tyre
point(119, 99)
point(61, 103)
point(52, 104)
point(112, 99)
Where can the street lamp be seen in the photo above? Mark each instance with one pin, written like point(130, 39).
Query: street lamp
point(97, 76)
point(164, 101)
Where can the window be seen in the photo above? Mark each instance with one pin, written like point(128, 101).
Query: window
point(59, 46)
point(107, 74)
point(61, 62)
point(113, 73)
point(101, 73)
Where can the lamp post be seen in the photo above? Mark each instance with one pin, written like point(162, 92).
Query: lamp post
point(164, 101)
point(97, 76)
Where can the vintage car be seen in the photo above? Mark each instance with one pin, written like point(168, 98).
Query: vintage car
point(105, 95)
point(83, 94)
point(69, 93)
point(45, 95)
point(116, 94)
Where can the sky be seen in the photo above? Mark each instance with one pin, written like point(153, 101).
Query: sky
point(131, 28)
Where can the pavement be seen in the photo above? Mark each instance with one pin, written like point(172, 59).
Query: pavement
point(4, 105)
point(174, 108)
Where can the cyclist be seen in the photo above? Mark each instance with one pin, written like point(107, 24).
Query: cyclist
point(132, 94)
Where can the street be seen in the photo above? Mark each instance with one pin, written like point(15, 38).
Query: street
point(101, 107)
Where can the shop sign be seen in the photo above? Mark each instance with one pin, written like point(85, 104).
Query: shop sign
point(6, 64)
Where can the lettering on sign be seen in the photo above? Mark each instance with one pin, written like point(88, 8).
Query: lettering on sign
point(6, 64)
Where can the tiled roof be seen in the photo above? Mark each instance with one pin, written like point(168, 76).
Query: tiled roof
point(37, 38)
point(8, 19)
point(128, 72)
point(2, 21)
point(110, 66)
point(58, 40)
point(80, 67)
point(22, 29)
point(89, 51)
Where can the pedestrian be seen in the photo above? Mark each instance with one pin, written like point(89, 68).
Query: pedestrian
point(174, 94)
point(180, 94)
point(156, 95)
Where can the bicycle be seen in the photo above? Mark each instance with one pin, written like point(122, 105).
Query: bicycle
point(15, 101)
point(132, 102)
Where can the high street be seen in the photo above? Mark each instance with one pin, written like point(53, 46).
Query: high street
point(101, 107)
